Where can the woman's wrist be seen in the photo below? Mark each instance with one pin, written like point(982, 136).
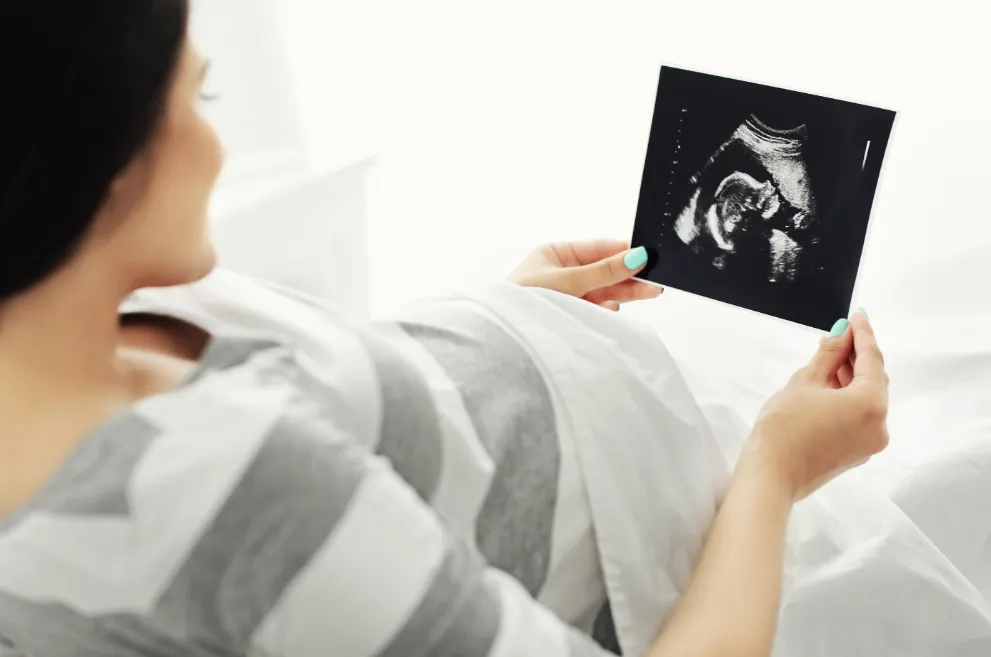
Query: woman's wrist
point(762, 463)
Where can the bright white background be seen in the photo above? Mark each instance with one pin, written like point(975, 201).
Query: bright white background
point(496, 126)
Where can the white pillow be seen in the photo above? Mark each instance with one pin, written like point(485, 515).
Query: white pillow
point(308, 234)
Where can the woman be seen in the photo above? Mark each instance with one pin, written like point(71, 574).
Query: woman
point(194, 470)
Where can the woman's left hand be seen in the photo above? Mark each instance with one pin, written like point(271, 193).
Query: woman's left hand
point(599, 271)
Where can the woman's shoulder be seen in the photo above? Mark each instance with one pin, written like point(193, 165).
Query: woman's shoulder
point(189, 516)
point(253, 409)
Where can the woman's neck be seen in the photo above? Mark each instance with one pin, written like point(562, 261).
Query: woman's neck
point(59, 376)
point(60, 338)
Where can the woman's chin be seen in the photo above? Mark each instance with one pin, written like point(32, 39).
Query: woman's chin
point(190, 269)
point(207, 262)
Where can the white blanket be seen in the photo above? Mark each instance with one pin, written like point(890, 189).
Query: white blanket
point(893, 559)
point(886, 566)
point(888, 562)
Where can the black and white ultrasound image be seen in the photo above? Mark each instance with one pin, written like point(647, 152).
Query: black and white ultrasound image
point(757, 196)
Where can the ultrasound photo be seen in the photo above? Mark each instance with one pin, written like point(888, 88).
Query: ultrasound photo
point(757, 196)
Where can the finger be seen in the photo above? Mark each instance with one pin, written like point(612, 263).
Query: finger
point(615, 269)
point(610, 305)
point(626, 292)
point(589, 251)
point(833, 353)
point(869, 362)
point(845, 374)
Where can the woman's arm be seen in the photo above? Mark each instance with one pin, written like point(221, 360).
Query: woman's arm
point(807, 434)
point(731, 606)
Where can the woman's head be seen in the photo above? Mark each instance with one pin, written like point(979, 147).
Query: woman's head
point(106, 162)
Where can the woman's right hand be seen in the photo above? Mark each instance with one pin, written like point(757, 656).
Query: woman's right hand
point(827, 419)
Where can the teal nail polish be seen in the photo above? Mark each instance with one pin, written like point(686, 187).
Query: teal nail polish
point(864, 313)
point(635, 258)
point(839, 328)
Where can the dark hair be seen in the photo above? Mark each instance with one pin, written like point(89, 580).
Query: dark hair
point(83, 84)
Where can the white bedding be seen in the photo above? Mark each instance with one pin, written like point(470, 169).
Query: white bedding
point(887, 561)
point(894, 560)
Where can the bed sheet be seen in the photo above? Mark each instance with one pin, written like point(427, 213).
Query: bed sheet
point(895, 558)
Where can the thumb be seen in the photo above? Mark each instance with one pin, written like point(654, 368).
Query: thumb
point(834, 352)
point(606, 272)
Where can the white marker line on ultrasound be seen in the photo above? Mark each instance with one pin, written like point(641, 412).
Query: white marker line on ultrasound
point(866, 151)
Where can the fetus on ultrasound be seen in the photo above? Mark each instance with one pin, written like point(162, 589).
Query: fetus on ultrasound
point(752, 212)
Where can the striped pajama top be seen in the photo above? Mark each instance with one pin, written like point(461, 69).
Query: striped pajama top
point(403, 488)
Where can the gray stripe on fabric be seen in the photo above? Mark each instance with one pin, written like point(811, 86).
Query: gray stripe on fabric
point(274, 522)
point(93, 481)
point(458, 617)
point(511, 408)
point(7, 649)
point(580, 645)
point(320, 406)
point(323, 403)
point(50, 630)
point(410, 435)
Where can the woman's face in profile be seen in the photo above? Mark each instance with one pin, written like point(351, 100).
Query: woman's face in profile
point(158, 206)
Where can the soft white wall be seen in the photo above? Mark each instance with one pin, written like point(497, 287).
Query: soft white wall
point(340, 73)
point(310, 235)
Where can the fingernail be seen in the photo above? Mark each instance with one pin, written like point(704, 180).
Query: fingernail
point(839, 328)
point(635, 258)
point(864, 313)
